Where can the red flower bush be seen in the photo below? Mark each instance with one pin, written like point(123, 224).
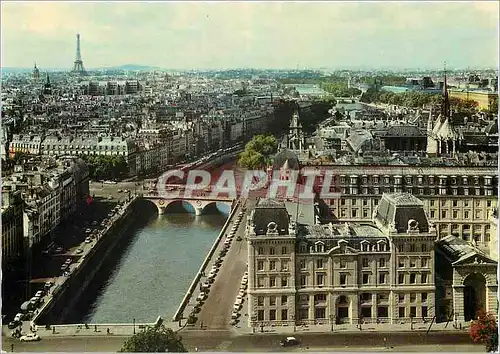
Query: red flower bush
point(485, 330)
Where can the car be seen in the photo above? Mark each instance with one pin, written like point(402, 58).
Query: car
point(48, 285)
point(88, 240)
point(59, 250)
point(289, 341)
point(68, 261)
point(39, 293)
point(238, 238)
point(64, 267)
point(79, 251)
point(30, 337)
point(14, 324)
point(35, 300)
point(88, 231)
point(18, 317)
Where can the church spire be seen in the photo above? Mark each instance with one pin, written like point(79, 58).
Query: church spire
point(445, 108)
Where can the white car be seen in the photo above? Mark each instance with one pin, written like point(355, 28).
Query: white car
point(88, 240)
point(30, 338)
point(39, 293)
point(19, 317)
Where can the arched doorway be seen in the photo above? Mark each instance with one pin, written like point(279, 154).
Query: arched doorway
point(474, 295)
point(342, 309)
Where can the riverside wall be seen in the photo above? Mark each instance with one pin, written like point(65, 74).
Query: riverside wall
point(194, 284)
point(66, 296)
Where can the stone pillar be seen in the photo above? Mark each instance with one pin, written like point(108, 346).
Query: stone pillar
point(198, 211)
point(374, 306)
point(161, 210)
point(354, 308)
point(311, 308)
point(458, 303)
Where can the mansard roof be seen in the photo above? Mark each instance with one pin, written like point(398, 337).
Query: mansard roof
point(396, 211)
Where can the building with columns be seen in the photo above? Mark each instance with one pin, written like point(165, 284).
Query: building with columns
point(372, 272)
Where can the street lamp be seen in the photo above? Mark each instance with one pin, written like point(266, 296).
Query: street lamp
point(331, 322)
point(134, 325)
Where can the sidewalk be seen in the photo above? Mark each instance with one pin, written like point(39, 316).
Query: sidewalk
point(71, 330)
point(242, 328)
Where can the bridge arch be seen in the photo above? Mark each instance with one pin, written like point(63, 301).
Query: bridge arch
point(195, 206)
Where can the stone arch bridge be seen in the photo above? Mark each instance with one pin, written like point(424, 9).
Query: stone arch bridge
point(198, 203)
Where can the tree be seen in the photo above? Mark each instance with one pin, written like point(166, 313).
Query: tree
point(258, 151)
point(155, 339)
point(485, 330)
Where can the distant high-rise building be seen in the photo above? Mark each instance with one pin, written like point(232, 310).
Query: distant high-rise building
point(78, 65)
point(36, 73)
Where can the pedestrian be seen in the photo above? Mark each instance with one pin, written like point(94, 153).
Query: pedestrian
point(12, 348)
point(95, 328)
point(54, 330)
point(195, 349)
point(107, 330)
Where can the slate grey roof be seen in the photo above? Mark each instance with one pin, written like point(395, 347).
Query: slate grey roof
point(399, 208)
point(404, 130)
point(267, 211)
point(281, 157)
point(458, 250)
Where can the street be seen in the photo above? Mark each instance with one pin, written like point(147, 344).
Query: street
point(216, 311)
point(225, 341)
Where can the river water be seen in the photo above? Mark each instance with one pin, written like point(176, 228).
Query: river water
point(156, 269)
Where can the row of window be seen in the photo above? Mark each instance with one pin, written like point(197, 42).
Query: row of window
point(404, 262)
point(271, 251)
point(273, 265)
point(409, 180)
point(487, 190)
point(455, 214)
point(365, 312)
point(432, 202)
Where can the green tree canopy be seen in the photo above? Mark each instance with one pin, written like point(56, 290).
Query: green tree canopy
point(155, 339)
point(258, 151)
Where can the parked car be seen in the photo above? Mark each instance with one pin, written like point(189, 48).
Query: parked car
point(48, 285)
point(79, 251)
point(30, 337)
point(59, 250)
point(88, 240)
point(64, 267)
point(39, 293)
point(289, 341)
point(18, 317)
point(14, 324)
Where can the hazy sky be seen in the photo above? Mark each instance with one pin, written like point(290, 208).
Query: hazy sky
point(186, 35)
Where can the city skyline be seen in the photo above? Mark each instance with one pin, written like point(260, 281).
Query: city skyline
point(252, 35)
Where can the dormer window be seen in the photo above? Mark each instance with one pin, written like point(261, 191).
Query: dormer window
point(382, 246)
point(431, 179)
point(465, 180)
point(303, 248)
point(365, 246)
point(320, 247)
point(419, 179)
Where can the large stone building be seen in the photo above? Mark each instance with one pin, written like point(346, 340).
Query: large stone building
point(458, 200)
point(377, 271)
point(12, 228)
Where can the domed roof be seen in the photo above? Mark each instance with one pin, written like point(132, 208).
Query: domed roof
point(288, 157)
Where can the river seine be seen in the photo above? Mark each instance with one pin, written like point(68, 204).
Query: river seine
point(156, 269)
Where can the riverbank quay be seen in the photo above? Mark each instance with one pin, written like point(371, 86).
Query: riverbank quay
point(224, 341)
point(351, 328)
point(208, 261)
point(66, 291)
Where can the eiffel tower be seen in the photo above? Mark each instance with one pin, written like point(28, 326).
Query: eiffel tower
point(78, 66)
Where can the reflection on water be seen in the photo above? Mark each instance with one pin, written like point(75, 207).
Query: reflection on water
point(156, 269)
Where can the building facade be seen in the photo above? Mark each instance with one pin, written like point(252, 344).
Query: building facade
point(375, 272)
point(458, 200)
point(12, 228)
